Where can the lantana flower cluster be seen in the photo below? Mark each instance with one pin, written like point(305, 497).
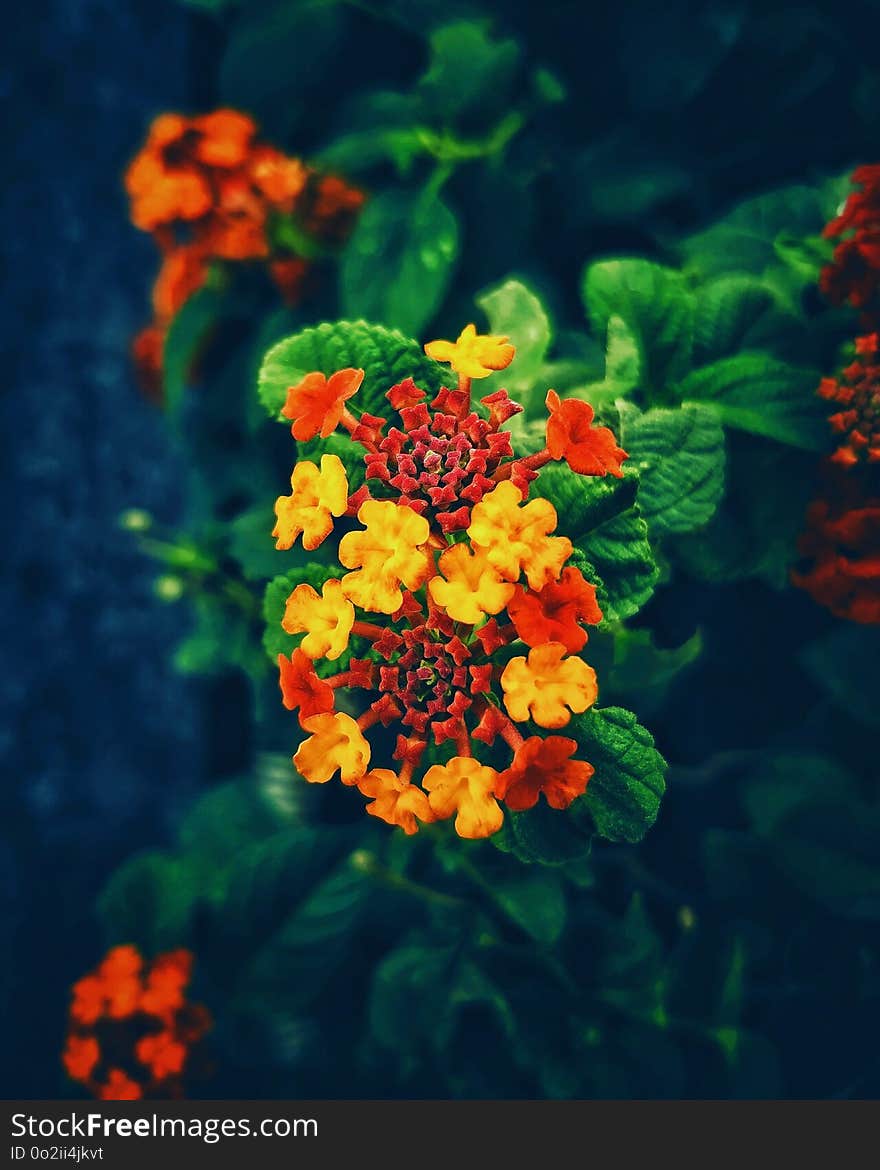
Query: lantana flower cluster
point(208, 189)
point(131, 1029)
point(470, 616)
point(853, 276)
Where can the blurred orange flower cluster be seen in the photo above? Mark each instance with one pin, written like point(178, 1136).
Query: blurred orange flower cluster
point(131, 1030)
point(208, 189)
point(473, 621)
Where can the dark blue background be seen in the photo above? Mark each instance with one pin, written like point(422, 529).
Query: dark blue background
point(98, 742)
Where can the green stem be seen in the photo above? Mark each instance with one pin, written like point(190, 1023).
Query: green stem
point(369, 864)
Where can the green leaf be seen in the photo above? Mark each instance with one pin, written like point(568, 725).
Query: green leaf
point(758, 394)
point(656, 307)
point(621, 356)
point(585, 502)
point(542, 835)
point(819, 833)
point(610, 537)
point(386, 356)
point(147, 902)
point(221, 825)
point(276, 640)
point(312, 941)
point(399, 261)
point(641, 672)
point(536, 902)
point(419, 993)
point(732, 314)
point(680, 457)
point(624, 793)
point(843, 664)
point(754, 530)
point(630, 965)
point(806, 256)
point(469, 72)
point(278, 56)
point(189, 331)
point(620, 553)
point(621, 370)
point(223, 636)
point(251, 543)
point(745, 240)
point(513, 310)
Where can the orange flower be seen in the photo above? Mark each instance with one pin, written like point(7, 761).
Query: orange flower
point(328, 618)
point(159, 196)
point(119, 1087)
point(395, 800)
point(316, 498)
point(316, 404)
point(571, 436)
point(554, 613)
point(168, 180)
point(385, 555)
point(80, 1057)
point(184, 270)
point(121, 962)
point(301, 688)
point(223, 138)
point(547, 686)
point(472, 589)
point(88, 1000)
point(464, 788)
point(473, 355)
point(515, 538)
point(120, 974)
point(335, 742)
point(162, 1054)
point(165, 983)
point(279, 178)
point(544, 765)
point(237, 227)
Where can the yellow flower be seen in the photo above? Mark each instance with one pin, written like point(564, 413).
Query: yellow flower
point(465, 788)
point(326, 619)
point(336, 741)
point(472, 587)
point(474, 355)
point(387, 554)
point(317, 496)
point(515, 536)
point(395, 801)
point(547, 688)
